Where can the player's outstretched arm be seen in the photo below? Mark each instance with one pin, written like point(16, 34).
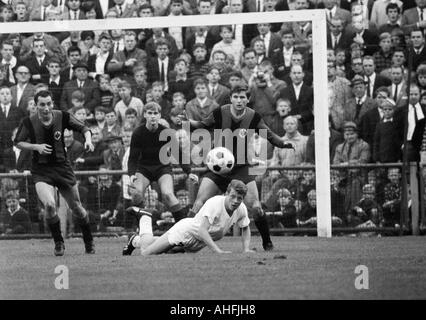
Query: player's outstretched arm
point(272, 137)
point(246, 236)
point(206, 238)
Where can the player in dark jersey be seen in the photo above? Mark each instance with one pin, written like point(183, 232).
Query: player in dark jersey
point(238, 118)
point(43, 133)
point(145, 166)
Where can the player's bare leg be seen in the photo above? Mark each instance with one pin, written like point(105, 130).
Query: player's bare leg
point(207, 190)
point(46, 194)
point(254, 207)
point(137, 191)
point(72, 197)
point(168, 196)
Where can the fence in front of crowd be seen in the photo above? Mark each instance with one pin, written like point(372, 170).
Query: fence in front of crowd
point(365, 186)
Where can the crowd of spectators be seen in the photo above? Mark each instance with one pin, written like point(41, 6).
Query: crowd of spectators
point(106, 77)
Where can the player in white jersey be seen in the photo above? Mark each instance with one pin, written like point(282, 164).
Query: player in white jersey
point(210, 224)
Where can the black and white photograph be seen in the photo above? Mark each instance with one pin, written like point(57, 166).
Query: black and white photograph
point(212, 155)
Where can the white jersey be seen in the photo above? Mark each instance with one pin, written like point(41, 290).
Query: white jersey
point(185, 232)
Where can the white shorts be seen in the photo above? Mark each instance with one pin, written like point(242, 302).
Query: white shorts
point(183, 233)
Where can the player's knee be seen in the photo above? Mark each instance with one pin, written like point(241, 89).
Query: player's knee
point(137, 199)
point(167, 196)
point(50, 209)
point(257, 213)
point(197, 205)
point(79, 212)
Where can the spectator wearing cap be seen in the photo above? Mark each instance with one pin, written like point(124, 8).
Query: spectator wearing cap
point(388, 136)
point(98, 62)
point(113, 156)
point(360, 103)
point(352, 151)
point(82, 82)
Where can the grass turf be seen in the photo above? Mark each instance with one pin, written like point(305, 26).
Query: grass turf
point(313, 268)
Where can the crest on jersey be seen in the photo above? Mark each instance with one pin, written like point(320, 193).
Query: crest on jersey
point(242, 133)
point(57, 135)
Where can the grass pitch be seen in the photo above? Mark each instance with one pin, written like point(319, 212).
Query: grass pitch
point(313, 268)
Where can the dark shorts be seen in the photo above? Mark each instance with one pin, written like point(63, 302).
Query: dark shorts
point(154, 172)
point(240, 173)
point(58, 175)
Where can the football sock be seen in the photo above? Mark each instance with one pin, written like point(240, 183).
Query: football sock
point(262, 225)
point(85, 230)
point(55, 228)
point(146, 236)
point(145, 225)
point(177, 212)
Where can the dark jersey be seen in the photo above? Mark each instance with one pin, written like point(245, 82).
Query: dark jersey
point(34, 131)
point(222, 119)
point(145, 148)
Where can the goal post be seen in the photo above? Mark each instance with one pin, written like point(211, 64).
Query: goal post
point(320, 87)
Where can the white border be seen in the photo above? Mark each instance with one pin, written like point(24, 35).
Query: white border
point(319, 46)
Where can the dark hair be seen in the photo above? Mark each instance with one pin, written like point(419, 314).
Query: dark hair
point(42, 94)
point(87, 33)
point(238, 89)
point(238, 186)
point(391, 6)
point(130, 111)
point(162, 42)
point(73, 49)
point(248, 50)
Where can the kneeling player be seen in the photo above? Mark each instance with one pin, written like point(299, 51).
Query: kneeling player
point(145, 165)
point(210, 224)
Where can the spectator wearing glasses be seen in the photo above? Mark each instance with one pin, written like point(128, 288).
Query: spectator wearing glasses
point(23, 90)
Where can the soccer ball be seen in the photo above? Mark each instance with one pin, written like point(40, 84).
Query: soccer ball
point(220, 160)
